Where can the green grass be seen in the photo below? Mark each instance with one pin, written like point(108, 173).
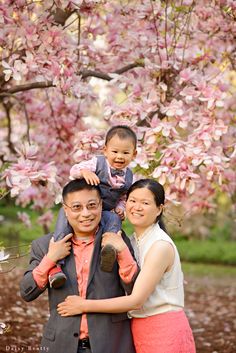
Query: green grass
point(201, 270)
point(13, 231)
point(214, 251)
point(207, 251)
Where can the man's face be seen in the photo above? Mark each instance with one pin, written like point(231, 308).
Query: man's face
point(83, 210)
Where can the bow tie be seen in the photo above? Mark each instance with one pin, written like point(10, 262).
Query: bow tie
point(115, 172)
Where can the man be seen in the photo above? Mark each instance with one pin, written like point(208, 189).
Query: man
point(95, 333)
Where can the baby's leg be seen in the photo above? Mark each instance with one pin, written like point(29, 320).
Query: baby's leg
point(62, 227)
point(111, 222)
point(56, 276)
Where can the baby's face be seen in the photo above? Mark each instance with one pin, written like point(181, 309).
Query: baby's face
point(119, 152)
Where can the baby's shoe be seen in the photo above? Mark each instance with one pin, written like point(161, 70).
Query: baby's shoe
point(108, 258)
point(56, 277)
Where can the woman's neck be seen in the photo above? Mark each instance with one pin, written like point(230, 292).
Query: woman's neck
point(140, 231)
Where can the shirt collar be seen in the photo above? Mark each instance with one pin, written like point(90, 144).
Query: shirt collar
point(79, 240)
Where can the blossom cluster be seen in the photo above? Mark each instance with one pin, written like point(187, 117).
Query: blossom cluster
point(164, 68)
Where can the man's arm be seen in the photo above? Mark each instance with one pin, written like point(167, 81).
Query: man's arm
point(28, 287)
point(129, 267)
point(35, 279)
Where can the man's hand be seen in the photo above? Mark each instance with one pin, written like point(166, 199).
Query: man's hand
point(114, 239)
point(73, 305)
point(59, 249)
point(120, 213)
point(90, 177)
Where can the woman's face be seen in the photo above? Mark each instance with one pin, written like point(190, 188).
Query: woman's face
point(141, 209)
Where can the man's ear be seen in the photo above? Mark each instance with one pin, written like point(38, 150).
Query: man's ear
point(135, 153)
point(65, 209)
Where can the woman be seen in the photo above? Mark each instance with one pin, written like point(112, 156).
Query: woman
point(159, 323)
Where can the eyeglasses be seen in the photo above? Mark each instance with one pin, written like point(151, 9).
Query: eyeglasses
point(77, 207)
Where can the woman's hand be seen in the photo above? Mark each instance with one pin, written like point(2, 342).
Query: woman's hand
point(73, 305)
point(114, 239)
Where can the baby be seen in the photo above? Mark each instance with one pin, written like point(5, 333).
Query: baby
point(110, 171)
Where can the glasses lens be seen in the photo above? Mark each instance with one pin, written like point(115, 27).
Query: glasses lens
point(76, 208)
point(90, 206)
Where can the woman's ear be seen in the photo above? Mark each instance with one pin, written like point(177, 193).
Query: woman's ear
point(161, 208)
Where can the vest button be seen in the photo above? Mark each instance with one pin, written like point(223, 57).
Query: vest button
point(76, 334)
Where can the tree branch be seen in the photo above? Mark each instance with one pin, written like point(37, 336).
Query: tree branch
point(8, 116)
point(128, 67)
point(98, 74)
point(79, 37)
point(107, 77)
point(7, 107)
point(166, 30)
point(84, 73)
point(188, 21)
point(53, 116)
point(3, 195)
point(12, 268)
point(27, 87)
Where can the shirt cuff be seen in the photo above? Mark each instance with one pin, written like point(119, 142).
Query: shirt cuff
point(124, 257)
point(40, 273)
point(127, 265)
point(46, 264)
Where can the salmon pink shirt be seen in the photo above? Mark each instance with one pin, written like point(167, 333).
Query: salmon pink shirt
point(83, 250)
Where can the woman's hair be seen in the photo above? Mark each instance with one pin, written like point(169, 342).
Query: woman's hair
point(158, 192)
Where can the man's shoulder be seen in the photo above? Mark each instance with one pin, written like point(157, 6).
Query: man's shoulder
point(42, 241)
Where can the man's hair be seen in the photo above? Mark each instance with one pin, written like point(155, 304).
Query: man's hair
point(124, 132)
point(78, 185)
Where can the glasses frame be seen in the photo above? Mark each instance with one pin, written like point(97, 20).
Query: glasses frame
point(79, 211)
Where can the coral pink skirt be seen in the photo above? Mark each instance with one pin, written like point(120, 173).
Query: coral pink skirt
point(163, 333)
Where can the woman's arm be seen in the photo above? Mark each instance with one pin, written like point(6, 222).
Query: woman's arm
point(158, 260)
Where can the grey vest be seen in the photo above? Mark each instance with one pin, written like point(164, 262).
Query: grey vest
point(111, 196)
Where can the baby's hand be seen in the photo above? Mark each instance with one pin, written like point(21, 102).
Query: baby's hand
point(90, 177)
point(120, 213)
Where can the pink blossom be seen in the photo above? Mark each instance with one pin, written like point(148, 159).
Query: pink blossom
point(169, 78)
point(16, 71)
point(24, 217)
point(175, 108)
point(189, 93)
point(46, 219)
point(186, 75)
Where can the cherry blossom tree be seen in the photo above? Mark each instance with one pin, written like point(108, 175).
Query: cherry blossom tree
point(71, 69)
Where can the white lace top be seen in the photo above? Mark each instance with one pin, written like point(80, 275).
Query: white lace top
point(168, 294)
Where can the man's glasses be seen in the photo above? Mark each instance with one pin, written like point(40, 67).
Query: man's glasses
point(77, 207)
